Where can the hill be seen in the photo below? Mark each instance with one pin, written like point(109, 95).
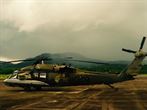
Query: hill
point(63, 58)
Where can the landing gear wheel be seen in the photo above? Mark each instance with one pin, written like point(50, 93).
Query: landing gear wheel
point(32, 88)
point(27, 88)
point(37, 88)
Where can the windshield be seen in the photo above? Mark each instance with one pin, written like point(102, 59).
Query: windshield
point(14, 75)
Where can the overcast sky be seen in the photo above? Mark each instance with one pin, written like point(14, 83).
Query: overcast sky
point(93, 28)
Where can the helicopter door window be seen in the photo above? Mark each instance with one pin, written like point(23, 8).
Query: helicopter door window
point(36, 75)
point(42, 75)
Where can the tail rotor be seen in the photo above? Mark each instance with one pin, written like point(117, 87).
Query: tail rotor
point(135, 66)
point(142, 43)
point(138, 53)
point(129, 51)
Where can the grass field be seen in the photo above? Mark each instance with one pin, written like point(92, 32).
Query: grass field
point(3, 76)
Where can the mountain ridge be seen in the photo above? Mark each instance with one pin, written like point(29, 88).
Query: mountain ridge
point(60, 58)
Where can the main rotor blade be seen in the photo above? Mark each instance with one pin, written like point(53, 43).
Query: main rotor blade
point(17, 60)
point(142, 42)
point(127, 50)
point(90, 62)
point(33, 59)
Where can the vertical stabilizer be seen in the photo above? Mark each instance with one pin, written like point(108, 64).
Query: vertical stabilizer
point(135, 67)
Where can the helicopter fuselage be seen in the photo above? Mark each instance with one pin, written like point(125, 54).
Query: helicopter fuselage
point(61, 79)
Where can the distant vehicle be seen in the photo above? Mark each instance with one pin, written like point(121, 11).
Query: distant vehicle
point(41, 75)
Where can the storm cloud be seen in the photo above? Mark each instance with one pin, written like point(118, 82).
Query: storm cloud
point(93, 28)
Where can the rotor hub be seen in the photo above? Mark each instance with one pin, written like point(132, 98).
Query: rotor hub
point(140, 54)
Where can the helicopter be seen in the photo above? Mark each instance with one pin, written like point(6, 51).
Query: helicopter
point(40, 75)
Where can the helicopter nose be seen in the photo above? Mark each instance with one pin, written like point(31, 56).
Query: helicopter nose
point(6, 82)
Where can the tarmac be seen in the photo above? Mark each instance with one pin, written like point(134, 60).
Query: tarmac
point(131, 95)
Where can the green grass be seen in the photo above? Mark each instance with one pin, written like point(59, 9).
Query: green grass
point(3, 76)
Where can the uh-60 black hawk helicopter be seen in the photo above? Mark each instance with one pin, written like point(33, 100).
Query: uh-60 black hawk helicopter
point(46, 75)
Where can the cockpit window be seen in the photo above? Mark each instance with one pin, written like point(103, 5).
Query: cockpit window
point(14, 75)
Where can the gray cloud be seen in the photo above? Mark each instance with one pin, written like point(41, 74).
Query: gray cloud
point(92, 28)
